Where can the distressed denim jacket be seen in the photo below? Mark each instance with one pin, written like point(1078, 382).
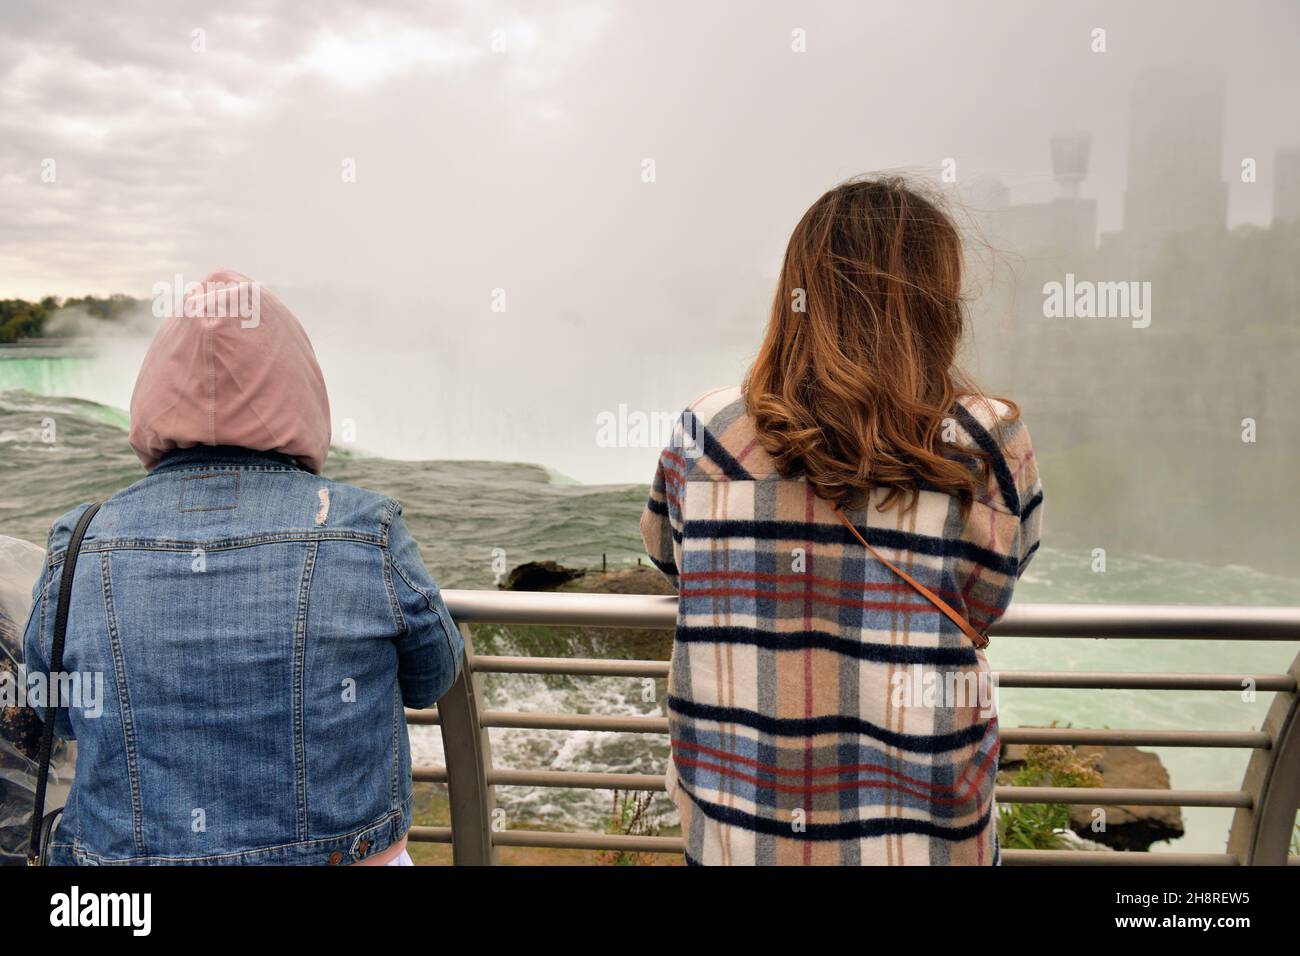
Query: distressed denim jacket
point(255, 630)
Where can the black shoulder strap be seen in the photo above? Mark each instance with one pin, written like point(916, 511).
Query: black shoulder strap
point(56, 666)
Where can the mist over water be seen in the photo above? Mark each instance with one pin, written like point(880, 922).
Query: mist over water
point(432, 402)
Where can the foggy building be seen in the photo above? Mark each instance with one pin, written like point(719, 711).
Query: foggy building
point(1286, 185)
point(1060, 225)
point(1066, 223)
point(1030, 238)
point(1175, 158)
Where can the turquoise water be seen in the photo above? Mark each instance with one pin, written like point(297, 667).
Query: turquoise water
point(462, 510)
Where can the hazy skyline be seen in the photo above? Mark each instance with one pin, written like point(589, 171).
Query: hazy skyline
point(520, 168)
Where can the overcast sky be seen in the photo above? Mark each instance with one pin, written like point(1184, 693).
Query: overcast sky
point(520, 167)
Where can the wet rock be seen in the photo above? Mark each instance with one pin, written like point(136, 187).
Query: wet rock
point(617, 642)
point(1127, 827)
point(639, 580)
point(540, 576)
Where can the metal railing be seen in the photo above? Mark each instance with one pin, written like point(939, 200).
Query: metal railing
point(1265, 804)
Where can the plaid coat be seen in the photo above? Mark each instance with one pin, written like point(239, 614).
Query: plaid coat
point(802, 728)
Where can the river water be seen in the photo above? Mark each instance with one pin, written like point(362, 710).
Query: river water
point(461, 511)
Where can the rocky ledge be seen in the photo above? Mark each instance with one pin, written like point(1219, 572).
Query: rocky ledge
point(1126, 827)
point(623, 642)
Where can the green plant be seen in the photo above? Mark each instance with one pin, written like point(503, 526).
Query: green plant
point(1037, 826)
point(629, 816)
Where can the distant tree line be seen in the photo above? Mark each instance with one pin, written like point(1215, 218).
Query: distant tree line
point(20, 319)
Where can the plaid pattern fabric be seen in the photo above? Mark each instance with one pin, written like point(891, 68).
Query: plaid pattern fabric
point(801, 729)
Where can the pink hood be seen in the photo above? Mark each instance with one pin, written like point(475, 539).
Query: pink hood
point(232, 366)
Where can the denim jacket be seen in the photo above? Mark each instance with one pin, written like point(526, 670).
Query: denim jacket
point(255, 630)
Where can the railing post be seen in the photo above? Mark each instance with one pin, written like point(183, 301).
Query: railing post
point(1261, 835)
point(468, 753)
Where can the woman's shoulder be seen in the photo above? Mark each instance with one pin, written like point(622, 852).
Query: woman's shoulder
point(989, 423)
point(989, 412)
point(720, 436)
point(997, 427)
point(717, 403)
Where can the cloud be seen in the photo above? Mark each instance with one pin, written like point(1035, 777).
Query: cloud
point(358, 62)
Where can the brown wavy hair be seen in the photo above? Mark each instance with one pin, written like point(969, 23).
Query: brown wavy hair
point(855, 376)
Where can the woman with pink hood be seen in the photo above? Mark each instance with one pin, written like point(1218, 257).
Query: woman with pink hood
point(259, 628)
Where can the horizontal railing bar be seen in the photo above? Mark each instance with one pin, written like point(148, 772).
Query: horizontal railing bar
point(1244, 739)
point(562, 609)
point(554, 778)
point(1073, 796)
point(1115, 796)
point(1108, 680)
point(577, 780)
point(601, 841)
point(1113, 858)
point(598, 841)
point(575, 666)
point(1159, 621)
point(549, 839)
point(426, 717)
point(1091, 680)
point(518, 720)
point(1230, 739)
point(555, 840)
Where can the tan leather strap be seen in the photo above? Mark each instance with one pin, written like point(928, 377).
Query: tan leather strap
point(978, 639)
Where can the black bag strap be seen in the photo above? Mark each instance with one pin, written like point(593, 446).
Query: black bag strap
point(56, 666)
